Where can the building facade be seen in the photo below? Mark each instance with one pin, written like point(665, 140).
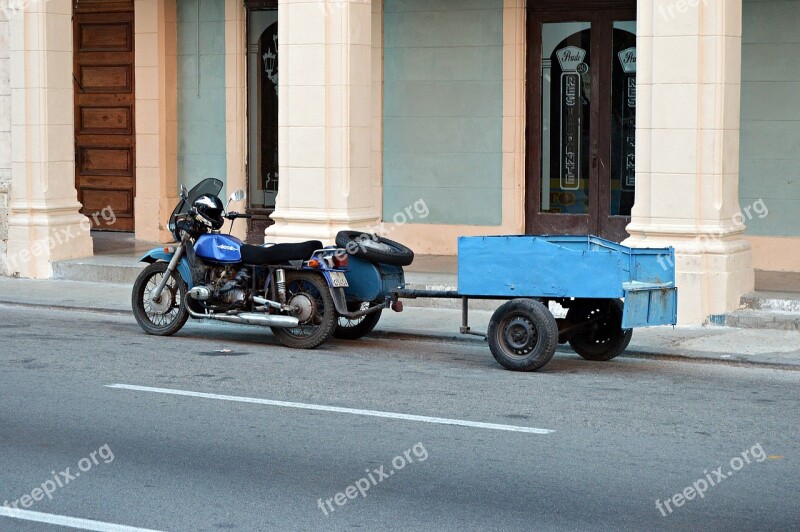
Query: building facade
point(653, 122)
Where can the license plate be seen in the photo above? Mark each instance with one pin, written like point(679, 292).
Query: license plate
point(339, 280)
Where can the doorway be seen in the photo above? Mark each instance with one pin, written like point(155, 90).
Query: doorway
point(262, 115)
point(105, 137)
point(581, 134)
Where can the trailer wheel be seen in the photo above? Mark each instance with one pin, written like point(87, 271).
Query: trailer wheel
point(603, 339)
point(523, 335)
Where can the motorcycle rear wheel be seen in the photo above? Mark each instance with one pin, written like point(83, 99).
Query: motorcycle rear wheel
point(309, 292)
point(166, 316)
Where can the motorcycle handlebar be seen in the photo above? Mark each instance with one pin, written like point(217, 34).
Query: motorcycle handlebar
point(235, 215)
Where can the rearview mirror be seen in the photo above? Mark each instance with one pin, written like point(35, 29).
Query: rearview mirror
point(238, 195)
point(183, 192)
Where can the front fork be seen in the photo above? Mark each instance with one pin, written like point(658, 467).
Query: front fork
point(155, 296)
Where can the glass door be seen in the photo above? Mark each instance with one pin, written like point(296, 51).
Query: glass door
point(581, 121)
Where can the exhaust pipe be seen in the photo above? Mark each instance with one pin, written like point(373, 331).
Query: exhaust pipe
point(250, 318)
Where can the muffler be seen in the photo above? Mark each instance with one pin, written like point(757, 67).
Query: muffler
point(250, 318)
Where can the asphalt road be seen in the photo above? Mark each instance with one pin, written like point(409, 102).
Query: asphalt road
point(624, 435)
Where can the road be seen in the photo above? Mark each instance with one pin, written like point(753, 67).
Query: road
point(230, 431)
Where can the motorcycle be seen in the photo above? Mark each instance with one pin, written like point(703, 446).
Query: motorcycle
point(295, 289)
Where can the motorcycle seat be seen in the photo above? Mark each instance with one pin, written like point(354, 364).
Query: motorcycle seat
point(279, 253)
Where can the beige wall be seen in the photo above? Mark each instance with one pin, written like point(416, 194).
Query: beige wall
point(775, 254)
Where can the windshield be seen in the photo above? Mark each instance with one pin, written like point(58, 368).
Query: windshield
point(206, 186)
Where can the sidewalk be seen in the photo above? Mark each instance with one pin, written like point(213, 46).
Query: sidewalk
point(718, 344)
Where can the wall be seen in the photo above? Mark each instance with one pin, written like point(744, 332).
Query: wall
point(443, 110)
point(201, 91)
point(5, 139)
point(770, 142)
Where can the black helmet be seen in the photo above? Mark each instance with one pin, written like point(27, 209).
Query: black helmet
point(209, 210)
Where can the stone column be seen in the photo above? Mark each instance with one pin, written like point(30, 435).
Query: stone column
point(687, 150)
point(5, 138)
point(325, 122)
point(45, 224)
point(156, 41)
point(236, 107)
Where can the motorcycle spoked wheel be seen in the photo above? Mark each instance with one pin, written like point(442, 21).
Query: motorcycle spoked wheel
point(310, 293)
point(166, 316)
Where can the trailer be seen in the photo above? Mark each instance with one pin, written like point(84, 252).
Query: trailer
point(607, 290)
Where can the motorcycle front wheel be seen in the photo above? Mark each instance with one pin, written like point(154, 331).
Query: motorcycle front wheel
point(168, 314)
point(310, 295)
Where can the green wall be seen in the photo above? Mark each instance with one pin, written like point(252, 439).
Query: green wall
point(201, 110)
point(770, 141)
point(443, 109)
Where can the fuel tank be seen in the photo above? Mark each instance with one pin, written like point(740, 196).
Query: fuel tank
point(219, 248)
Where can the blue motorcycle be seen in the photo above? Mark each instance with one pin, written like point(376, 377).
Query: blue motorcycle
point(296, 289)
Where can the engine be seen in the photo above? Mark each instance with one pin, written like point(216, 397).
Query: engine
point(226, 288)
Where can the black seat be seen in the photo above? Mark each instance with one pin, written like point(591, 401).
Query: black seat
point(279, 253)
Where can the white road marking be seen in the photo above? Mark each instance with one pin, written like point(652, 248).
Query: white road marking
point(71, 522)
point(337, 409)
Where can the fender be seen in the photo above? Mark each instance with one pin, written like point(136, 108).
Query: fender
point(159, 255)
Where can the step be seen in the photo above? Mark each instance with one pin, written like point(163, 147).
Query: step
point(761, 319)
point(99, 269)
point(772, 301)
point(770, 281)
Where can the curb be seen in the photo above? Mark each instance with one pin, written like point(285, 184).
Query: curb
point(53, 306)
point(465, 339)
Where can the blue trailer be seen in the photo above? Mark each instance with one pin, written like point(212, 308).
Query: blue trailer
point(606, 288)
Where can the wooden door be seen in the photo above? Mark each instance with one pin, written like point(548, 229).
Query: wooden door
point(581, 117)
point(105, 142)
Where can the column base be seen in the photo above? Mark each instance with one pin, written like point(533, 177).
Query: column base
point(711, 274)
point(35, 241)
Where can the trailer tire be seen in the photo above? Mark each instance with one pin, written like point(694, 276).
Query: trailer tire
point(523, 335)
point(606, 339)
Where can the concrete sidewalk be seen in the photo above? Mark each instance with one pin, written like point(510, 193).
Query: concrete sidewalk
point(718, 344)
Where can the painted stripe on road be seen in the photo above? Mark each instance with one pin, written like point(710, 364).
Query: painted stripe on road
point(337, 409)
point(71, 522)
